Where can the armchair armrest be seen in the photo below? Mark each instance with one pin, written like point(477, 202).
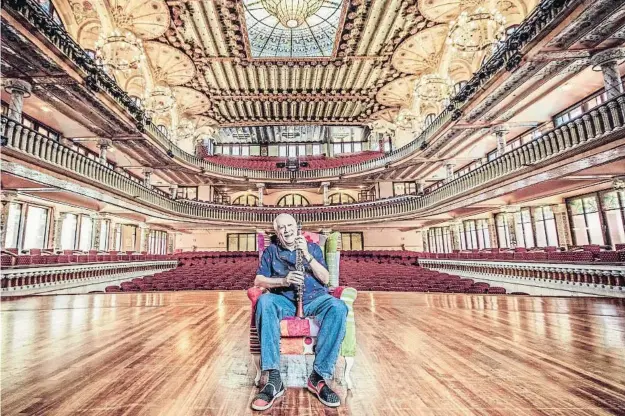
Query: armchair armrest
point(253, 293)
point(348, 295)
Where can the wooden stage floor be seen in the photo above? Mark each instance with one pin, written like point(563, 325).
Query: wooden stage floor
point(186, 353)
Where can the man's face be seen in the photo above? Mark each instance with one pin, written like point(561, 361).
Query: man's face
point(286, 229)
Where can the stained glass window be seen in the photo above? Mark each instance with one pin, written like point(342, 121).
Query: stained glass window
point(314, 38)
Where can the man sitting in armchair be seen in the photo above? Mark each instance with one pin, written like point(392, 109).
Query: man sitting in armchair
point(277, 273)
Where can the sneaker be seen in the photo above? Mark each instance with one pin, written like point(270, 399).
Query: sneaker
point(318, 386)
point(267, 395)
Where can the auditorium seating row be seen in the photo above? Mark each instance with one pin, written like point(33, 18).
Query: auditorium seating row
point(10, 259)
point(587, 254)
point(203, 271)
point(314, 162)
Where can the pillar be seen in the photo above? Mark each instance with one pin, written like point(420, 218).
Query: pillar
point(492, 230)
point(7, 197)
point(510, 211)
point(606, 61)
point(59, 217)
point(97, 227)
point(424, 237)
point(144, 237)
point(449, 170)
point(455, 229)
point(19, 89)
point(562, 225)
point(116, 230)
point(104, 145)
point(420, 186)
point(325, 187)
point(171, 242)
point(261, 192)
point(147, 176)
point(612, 79)
point(500, 134)
point(173, 191)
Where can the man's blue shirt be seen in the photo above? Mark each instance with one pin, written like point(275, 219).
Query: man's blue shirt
point(277, 262)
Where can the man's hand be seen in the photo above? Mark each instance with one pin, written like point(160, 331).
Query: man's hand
point(295, 278)
point(301, 244)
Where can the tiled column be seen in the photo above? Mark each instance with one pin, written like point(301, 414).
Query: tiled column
point(449, 170)
point(171, 241)
point(424, 237)
point(455, 228)
point(562, 225)
point(7, 198)
point(606, 61)
point(147, 177)
point(500, 134)
point(59, 217)
point(325, 186)
point(420, 186)
point(510, 212)
point(144, 237)
point(104, 145)
point(173, 191)
point(97, 227)
point(261, 193)
point(19, 89)
point(492, 230)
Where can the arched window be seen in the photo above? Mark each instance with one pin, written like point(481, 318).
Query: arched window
point(459, 86)
point(248, 200)
point(429, 119)
point(293, 200)
point(340, 198)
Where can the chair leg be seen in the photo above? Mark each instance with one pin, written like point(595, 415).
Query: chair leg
point(349, 363)
point(258, 372)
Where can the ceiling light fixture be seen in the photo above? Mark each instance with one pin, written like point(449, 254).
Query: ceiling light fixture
point(476, 30)
point(121, 51)
point(159, 101)
point(292, 13)
point(434, 87)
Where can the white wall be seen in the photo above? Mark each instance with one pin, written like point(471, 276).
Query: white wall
point(392, 239)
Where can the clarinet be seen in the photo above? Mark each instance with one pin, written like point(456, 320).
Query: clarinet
point(299, 266)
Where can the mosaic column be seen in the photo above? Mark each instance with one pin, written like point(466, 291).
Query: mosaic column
point(59, 217)
point(104, 145)
point(500, 134)
point(173, 191)
point(562, 225)
point(420, 186)
point(19, 89)
point(492, 230)
point(612, 79)
point(424, 237)
point(325, 186)
point(455, 229)
point(144, 238)
point(116, 229)
point(606, 61)
point(97, 227)
point(449, 170)
point(510, 212)
point(147, 177)
point(171, 242)
point(261, 192)
point(7, 198)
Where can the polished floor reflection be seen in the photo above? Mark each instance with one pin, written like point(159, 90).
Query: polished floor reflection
point(185, 353)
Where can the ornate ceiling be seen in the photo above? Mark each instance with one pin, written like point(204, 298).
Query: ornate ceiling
point(236, 65)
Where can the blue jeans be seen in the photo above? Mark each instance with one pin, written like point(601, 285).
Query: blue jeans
point(329, 311)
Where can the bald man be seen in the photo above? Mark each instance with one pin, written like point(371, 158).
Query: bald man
point(277, 273)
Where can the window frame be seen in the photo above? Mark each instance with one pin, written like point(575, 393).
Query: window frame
point(238, 236)
point(293, 195)
point(350, 235)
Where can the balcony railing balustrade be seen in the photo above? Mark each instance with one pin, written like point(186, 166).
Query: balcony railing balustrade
point(574, 137)
point(506, 57)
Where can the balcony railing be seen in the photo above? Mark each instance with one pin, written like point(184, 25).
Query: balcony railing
point(594, 279)
point(25, 280)
point(606, 121)
point(506, 57)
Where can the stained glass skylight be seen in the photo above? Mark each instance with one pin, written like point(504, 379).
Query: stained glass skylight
point(315, 38)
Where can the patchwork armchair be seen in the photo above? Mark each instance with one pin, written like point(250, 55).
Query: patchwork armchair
point(299, 336)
